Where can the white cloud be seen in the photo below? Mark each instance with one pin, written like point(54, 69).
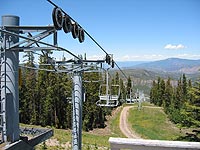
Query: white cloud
point(95, 57)
point(128, 57)
point(174, 47)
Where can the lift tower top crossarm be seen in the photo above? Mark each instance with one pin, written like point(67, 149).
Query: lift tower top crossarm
point(36, 41)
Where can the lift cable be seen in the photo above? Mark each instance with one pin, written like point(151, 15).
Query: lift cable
point(121, 70)
point(90, 38)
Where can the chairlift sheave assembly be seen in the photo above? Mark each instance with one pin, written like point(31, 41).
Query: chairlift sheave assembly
point(62, 20)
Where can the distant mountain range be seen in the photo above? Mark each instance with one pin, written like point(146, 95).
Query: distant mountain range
point(168, 65)
point(143, 73)
point(130, 64)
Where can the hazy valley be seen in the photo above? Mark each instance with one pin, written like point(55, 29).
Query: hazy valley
point(143, 73)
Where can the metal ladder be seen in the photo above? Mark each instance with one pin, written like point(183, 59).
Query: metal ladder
point(2, 99)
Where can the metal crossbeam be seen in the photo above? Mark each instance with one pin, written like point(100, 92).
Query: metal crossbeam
point(44, 43)
point(24, 29)
point(30, 144)
point(40, 138)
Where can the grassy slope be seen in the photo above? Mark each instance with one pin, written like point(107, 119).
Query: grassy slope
point(89, 140)
point(152, 123)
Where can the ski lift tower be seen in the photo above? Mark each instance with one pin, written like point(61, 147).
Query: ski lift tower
point(10, 46)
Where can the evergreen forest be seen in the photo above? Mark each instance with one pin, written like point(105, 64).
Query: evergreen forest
point(181, 103)
point(45, 97)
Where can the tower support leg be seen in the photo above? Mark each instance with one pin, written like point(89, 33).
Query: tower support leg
point(9, 83)
point(77, 111)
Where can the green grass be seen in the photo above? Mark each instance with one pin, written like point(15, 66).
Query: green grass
point(152, 123)
point(62, 136)
point(98, 140)
point(90, 141)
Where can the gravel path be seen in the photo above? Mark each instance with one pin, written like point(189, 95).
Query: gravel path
point(124, 126)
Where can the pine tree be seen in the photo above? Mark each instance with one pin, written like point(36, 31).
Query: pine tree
point(43, 102)
point(161, 92)
point(157, 92)
point(168, 96)
point(122, 90)
point(41, 96)
point(28, 91)
point(177, 102)
point(117, 79)
point(184, 88)
point(153, 93)
point(129, 85)
point(191, 111)
point(189, 83)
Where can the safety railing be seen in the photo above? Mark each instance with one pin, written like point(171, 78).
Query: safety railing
point(140, 144)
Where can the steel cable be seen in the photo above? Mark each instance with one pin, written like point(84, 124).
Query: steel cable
point(90, 38)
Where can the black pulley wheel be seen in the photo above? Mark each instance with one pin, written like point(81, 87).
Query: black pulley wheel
point(57, 18)
point(81, 36)
point(67, 24)
point(75, 30)
point(108, 59)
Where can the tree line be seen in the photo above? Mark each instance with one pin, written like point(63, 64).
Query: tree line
point(45, 97)
point(181, 102)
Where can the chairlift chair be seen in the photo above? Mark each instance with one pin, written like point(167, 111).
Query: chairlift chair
point(129, 98)
point(108, 96)
point(136, 98)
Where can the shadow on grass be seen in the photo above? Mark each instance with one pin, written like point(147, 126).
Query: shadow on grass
point(192, 137)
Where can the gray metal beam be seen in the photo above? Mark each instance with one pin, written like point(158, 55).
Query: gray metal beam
point(30, 144)
point(36, 37)
point(41, 138)
point(84, 61)
point(18, 145)
point(39, 37)
point(28, 28)
point(29, 49)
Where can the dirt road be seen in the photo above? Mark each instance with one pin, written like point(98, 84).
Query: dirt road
point(124, 126)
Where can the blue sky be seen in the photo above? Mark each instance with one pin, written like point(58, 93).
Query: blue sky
point(132, 30)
